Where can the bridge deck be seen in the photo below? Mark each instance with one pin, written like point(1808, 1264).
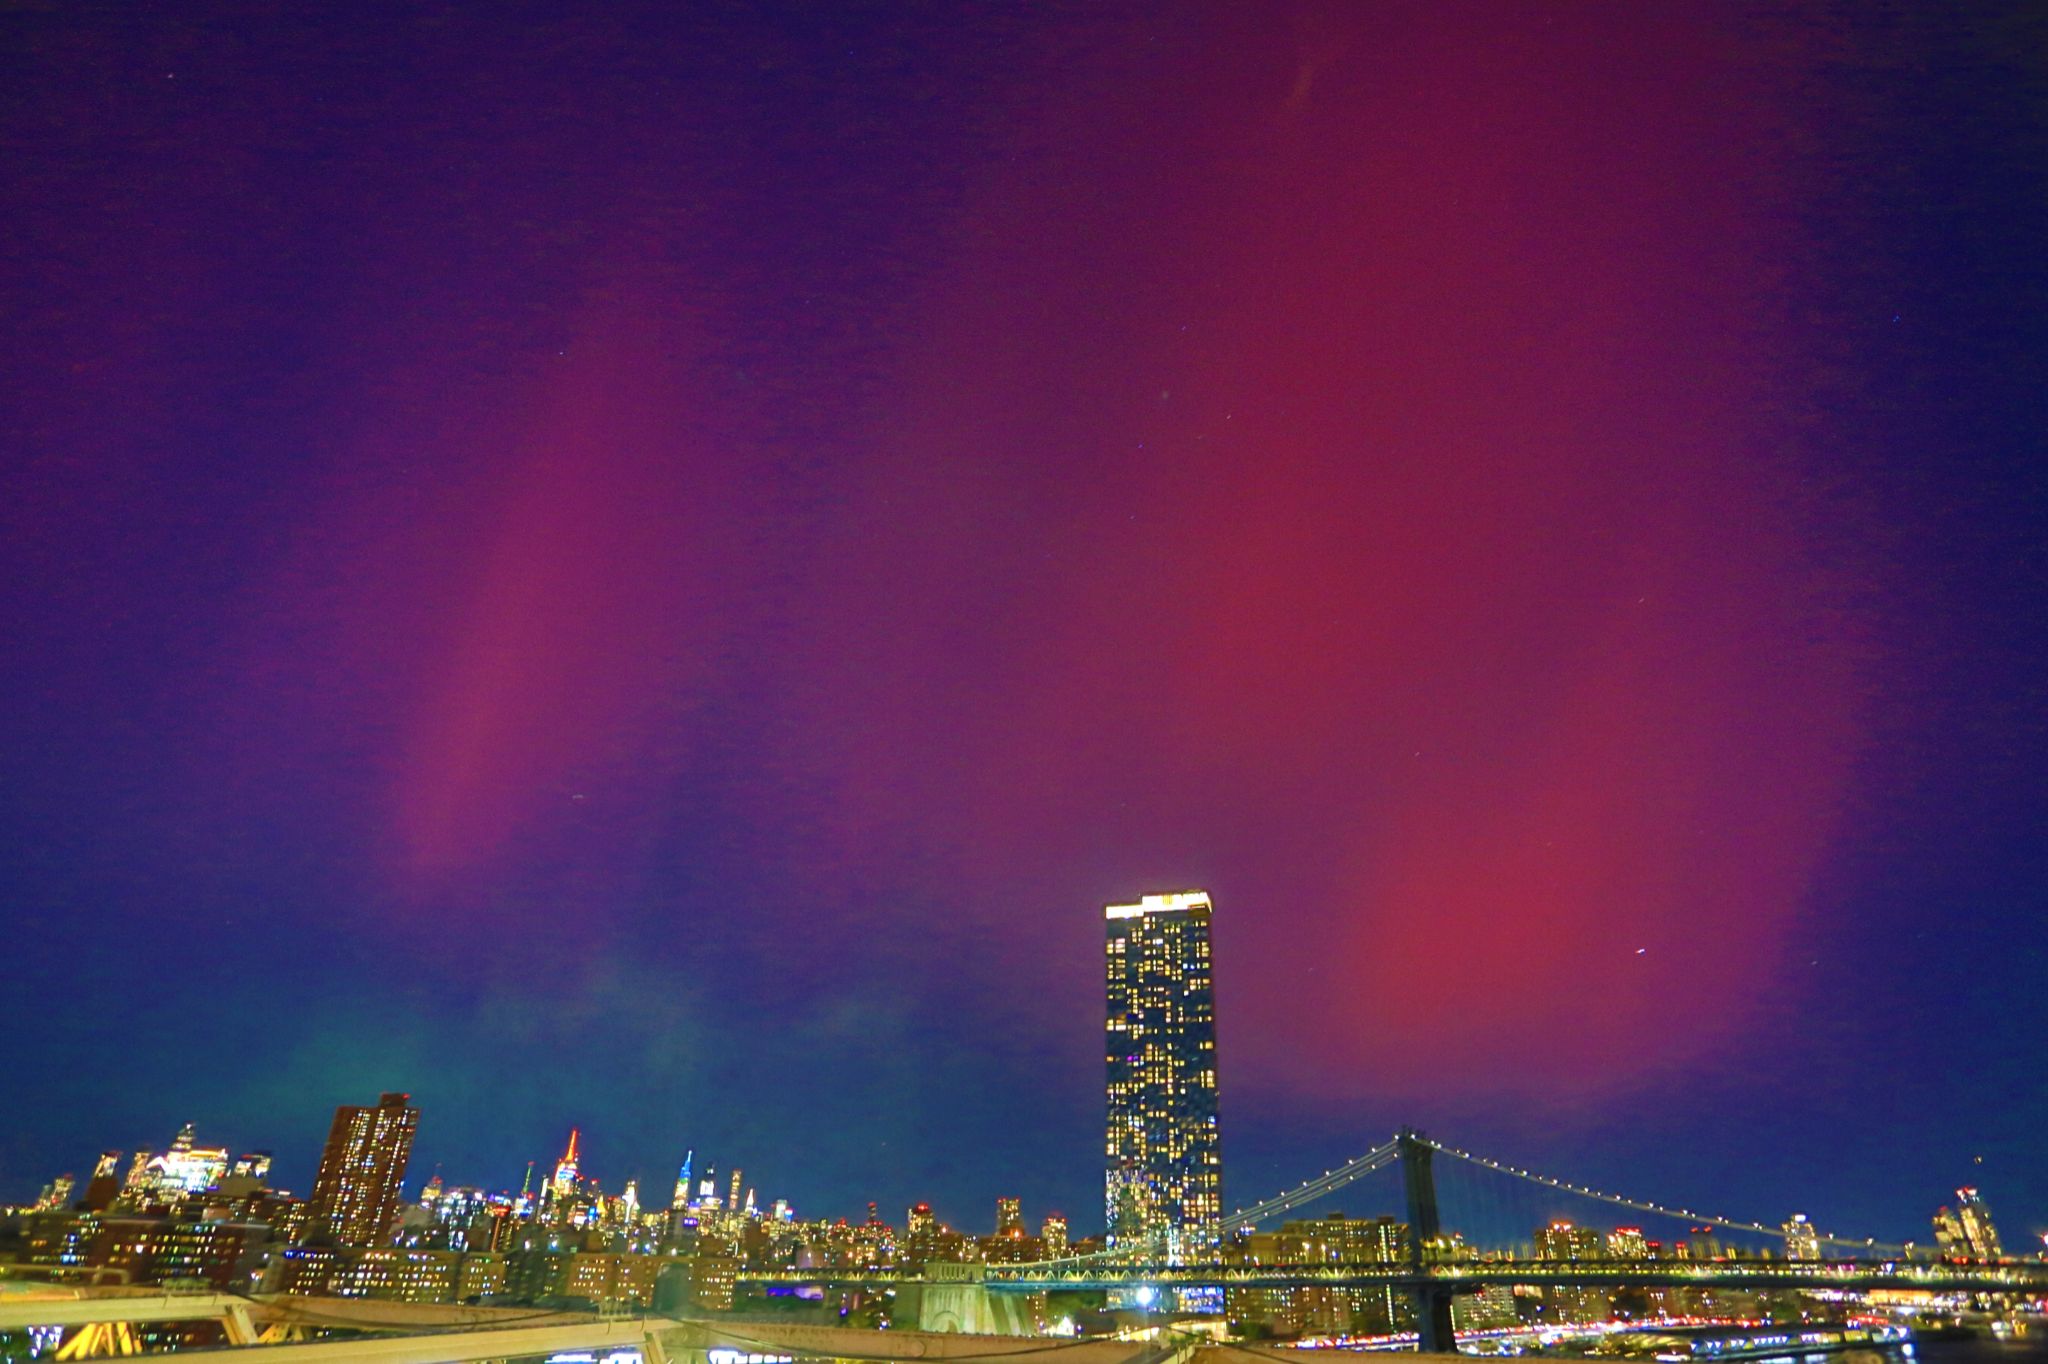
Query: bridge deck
point(423, 1333)
point(2030, 1278)
point(69, 1308)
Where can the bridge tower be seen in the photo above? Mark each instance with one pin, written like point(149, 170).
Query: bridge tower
point(1432, 1303)
point(955, 1297)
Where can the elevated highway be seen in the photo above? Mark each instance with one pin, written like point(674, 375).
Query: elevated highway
point(407, 1333)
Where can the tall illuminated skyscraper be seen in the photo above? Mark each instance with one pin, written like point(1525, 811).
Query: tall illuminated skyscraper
point(564, 1182)
point(1164, 1172)
point(681, 1200)
point(355, 1192)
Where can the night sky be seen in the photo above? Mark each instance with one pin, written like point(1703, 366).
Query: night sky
point(652, 568)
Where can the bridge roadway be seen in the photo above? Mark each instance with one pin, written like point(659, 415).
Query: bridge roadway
point(419, 1333)
point(70, 1308)
point(2024, 1277)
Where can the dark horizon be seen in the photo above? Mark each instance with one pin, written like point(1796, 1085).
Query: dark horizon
point(652, 571)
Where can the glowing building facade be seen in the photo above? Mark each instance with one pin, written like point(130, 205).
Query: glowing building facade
point(564, 1182)
point(187, 1167)
point(1561, 1242)
point(356, 1191)
point(1164, 1168)
point(106, 1182)
point(1628, 1243)
point(1966, 1231)
point(680, 1200)
point(56, 1195)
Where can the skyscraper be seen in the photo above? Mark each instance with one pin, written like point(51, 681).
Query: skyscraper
point(1802, 1241)
point(564, 1182)
point(1968, 1231)
point(681, 1199)
point(106, 1182)
point(1629, 1243)
point(355, 1192)
point(1164, 1174)
point(56, 1195)
point(188, 1167)
point(1561, 1242)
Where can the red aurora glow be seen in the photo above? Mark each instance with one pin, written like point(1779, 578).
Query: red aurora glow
point(1353, 479)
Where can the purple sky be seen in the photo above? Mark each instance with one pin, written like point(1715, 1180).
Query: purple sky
point(652, 571)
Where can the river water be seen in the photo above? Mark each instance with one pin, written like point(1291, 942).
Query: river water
point(2029, 1349)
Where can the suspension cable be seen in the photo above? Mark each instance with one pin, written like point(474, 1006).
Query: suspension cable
point(1639, 1205)
point(1154, 1241)
point(1328, 1182)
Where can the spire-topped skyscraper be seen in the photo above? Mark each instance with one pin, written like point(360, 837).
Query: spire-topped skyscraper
point(564, 1182)
point(681, 1200)
point(1164, 1174)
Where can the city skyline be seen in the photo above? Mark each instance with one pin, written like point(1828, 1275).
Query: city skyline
point(1948, 1227)
point(1163, 1170)
point(1155, 983)
point(197, 1216)
point(650, 571)
point(358, 1202)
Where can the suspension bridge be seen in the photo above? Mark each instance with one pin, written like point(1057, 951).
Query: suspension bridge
point(1431, 1266)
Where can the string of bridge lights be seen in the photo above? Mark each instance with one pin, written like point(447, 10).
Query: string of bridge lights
point(1731, 1223)
point(1376, 1159)
point(1381, 1156)
point(1329, 1180)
